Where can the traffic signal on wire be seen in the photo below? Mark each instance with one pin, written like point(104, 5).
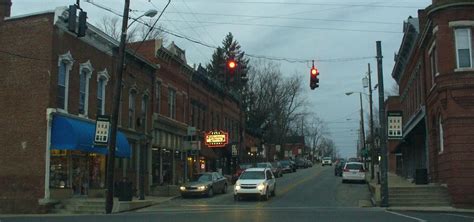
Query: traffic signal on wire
point(314, 81)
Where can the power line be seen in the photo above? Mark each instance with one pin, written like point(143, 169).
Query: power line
point(314, 4)
point(283, 17)
point(288, 26)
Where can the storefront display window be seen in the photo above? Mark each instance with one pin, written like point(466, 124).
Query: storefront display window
point(59, 169)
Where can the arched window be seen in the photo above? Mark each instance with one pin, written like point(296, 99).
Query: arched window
point(85, 72)
point(102, 79)
point(144, 110)
point(65, 63)
point(131, 108)
point(441, 135)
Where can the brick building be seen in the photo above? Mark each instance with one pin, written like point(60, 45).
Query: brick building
point(55, 85)
point(434, 69)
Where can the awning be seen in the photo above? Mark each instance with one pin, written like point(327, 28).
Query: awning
point(73, 134)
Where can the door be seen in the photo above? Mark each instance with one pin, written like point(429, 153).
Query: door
point(80, 175)
point(270, 180)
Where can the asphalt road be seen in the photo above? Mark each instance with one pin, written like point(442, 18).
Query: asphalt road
point(312, 194)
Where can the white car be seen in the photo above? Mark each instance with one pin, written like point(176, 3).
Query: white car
point(326, 161)
point(353, 171)
point(259, 182)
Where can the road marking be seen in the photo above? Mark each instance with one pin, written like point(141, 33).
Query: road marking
point(457, 215)
point(403, 215)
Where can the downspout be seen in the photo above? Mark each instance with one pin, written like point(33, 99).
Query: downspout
point(49, 121)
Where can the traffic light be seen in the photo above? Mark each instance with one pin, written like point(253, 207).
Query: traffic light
point(231, 65)
point(71, 21)
point(82, 26)
point(314, 81)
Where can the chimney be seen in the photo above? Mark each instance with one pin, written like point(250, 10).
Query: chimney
point(5, 8)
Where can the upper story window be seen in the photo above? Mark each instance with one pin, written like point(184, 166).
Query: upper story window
point(85, 72)
point(65, 63)
point(434, 63)
point(102, 79)
point(158, 97)
point(131, 108)
point(463, 42)
point(144, 112)
point(172, 103)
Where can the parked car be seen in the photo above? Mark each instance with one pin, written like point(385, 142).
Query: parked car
point(241, 168)
point(277, 169)
point(339, 166)
point(353, 171)
point(293, 163)
point(259, 182)
point(326, 161)
point(207, 183)
point(270, 166)
point(301, 163)
point(287, 167)
point(309, 163)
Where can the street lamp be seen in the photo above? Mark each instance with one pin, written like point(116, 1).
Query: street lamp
point(150, 13)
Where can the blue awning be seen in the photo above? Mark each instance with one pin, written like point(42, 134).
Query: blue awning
point(72, 134)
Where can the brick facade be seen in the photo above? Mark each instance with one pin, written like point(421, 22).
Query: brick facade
point(436, 90)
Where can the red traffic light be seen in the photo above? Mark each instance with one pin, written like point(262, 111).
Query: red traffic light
point(314, 71)
point(231, 64)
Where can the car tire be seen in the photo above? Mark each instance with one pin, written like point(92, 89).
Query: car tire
point(224, 190)
point(274, 191)
point(210, 192)
point(266, 196)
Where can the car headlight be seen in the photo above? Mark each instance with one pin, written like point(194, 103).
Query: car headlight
point(237, 187)
point(261, 186)
point(182, 188)
point(202, 187)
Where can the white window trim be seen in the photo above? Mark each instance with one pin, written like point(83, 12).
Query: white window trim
point(470, 49)
point(435, 30)
point(158, 96)
point(134, 90)
point(440, 135)
point(461, 23)
point(87, 66)
point(103, 75)
point(66, 58)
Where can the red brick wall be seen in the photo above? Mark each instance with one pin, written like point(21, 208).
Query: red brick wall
point(451, 99)
point(24, 95)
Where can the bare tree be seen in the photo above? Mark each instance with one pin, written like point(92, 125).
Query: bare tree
point(273, 100)
point(112, 27)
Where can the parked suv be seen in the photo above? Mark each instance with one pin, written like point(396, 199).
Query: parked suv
point(259, 182)
point(326, 161)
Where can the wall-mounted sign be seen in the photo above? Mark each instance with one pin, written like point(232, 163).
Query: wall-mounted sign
point(216, 138)
point(102, 128)
point(234, 150)
point(394, 125)
point(277, 147)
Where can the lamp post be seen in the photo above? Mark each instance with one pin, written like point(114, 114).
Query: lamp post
point(361, 119)
point(116, 106)
point(367, 83)
point(150, 13)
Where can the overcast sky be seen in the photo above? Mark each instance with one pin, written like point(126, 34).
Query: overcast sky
point(327, 31)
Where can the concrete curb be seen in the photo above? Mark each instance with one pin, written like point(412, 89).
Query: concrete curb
point(431, 209)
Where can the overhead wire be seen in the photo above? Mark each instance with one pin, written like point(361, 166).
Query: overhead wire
point(313, 4)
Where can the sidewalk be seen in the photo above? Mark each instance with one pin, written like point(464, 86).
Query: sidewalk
point(398, 181)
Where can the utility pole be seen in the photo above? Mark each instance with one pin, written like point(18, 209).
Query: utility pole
point(116, 106)
point(372, 147)
point(383, 130)
point(362, 133)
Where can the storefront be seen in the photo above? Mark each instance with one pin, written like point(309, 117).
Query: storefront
point(77, 166)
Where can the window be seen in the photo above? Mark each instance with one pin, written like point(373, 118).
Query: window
point(119, 122)
point(463, 47)
point(158, 97)
point(100, 96)
point(131, 108)
point(65, 63)
point(441, 135)
point(434, 64)
point(144, 111)
point(172, 103)
point(85, 72)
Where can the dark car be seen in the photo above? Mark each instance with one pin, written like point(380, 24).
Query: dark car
point(301, 163)
point(288, 166)
point(339, 167)
point(240, 169)
point(207, 183)
point(277, 169)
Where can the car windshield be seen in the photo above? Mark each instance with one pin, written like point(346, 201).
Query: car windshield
point(327, 158)
point(253, 175)
point(203, 178)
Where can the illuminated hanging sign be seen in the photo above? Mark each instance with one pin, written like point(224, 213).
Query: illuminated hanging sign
point(216, 138)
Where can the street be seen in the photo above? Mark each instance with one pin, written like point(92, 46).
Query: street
point(312, 194)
